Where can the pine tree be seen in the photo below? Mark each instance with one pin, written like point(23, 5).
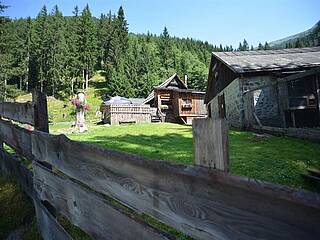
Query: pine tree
point(74, 67)
point(39, 53)
point(260, 47)
point(87, 44)
point(245, 45)
point(266, 46)
point(57, 50)
point(165, 53)
point(5, 53)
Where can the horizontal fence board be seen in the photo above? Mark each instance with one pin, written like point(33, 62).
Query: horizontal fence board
point(14, 168)
point(48, 225)
point(20, 112)
point(87, 210)
point(16, 137)
point(204, 203)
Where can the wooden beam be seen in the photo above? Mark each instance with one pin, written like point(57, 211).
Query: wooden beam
point(20, 112)
point(306, 73)
point(41, 122)
point(91, 213)
point(16, 137)
point(201, 202)
point(48, 225)
point(210, 143)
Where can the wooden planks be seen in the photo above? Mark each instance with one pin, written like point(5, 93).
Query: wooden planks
point(16, 137)
point(20, 112)
point(210, 143)
point(40, 111)
point(90, 212)
point(49, 226)
point(204, 203)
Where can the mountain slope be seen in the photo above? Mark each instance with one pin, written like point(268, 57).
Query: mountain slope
point(308, 38)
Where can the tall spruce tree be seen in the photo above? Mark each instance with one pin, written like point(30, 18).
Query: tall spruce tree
point(5, 53)
point(87, 44)
point(73, 67)
point(165, 53)
point(57, 50)
point(40, 50)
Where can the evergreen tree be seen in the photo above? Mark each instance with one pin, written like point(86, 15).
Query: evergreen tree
point(73, 67)
point(5, 53)
point(266, 46)
point(87, 44)
point(57, 50)
point(165, 53)
point(39, 51)
point(245, 45)
point(260, 47)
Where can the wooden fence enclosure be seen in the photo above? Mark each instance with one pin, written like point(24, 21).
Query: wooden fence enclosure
point(104, 192)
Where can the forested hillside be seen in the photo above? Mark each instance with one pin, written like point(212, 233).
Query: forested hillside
point(308, 38)
point(58, 54)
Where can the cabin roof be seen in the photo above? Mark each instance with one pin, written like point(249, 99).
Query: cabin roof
point(165, 85)
point(270, 60)
point(181, 90)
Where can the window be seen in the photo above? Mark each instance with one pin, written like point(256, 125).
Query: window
point(186, 103)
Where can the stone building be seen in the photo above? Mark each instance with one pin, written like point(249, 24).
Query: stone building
point(278, 88)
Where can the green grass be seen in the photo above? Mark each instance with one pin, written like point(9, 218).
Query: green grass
point(16, 210)
point(274, 159)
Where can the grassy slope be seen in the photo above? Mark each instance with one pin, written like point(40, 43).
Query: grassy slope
point(63, 111)
point(275, 159)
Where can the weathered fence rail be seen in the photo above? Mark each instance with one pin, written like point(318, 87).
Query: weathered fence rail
point(81, 181)
point(20, 112)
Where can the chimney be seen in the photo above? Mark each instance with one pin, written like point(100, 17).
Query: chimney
point(186, 80)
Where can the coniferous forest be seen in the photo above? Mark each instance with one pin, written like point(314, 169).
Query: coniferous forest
point(58, 54)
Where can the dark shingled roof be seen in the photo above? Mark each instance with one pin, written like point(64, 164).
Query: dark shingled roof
point(270, 60)
point(164, 85)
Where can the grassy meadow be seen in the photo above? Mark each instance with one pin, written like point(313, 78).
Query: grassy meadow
point(269, 158)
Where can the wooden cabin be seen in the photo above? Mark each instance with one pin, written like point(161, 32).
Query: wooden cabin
point(175, 103)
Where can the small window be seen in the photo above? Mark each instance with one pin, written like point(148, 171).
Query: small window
point(186, 103)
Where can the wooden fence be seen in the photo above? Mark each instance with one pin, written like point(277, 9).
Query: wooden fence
point(92, 187)
point(117, 114)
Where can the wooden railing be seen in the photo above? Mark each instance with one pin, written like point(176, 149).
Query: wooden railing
point(115, 114)
point(92, 186)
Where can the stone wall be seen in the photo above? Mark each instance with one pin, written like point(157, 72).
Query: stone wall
point(265, 100)
point(233, 104)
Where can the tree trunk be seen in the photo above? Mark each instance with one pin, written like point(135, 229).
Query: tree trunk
point(84, 78)
point(72, 85)
point(5, 89)
point(20, 83)
point(41, 85)
point(87, 79)
point(27, 85)
point(53, 89)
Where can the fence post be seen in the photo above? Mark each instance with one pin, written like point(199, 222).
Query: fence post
point(39, 100)
point(210, 143)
